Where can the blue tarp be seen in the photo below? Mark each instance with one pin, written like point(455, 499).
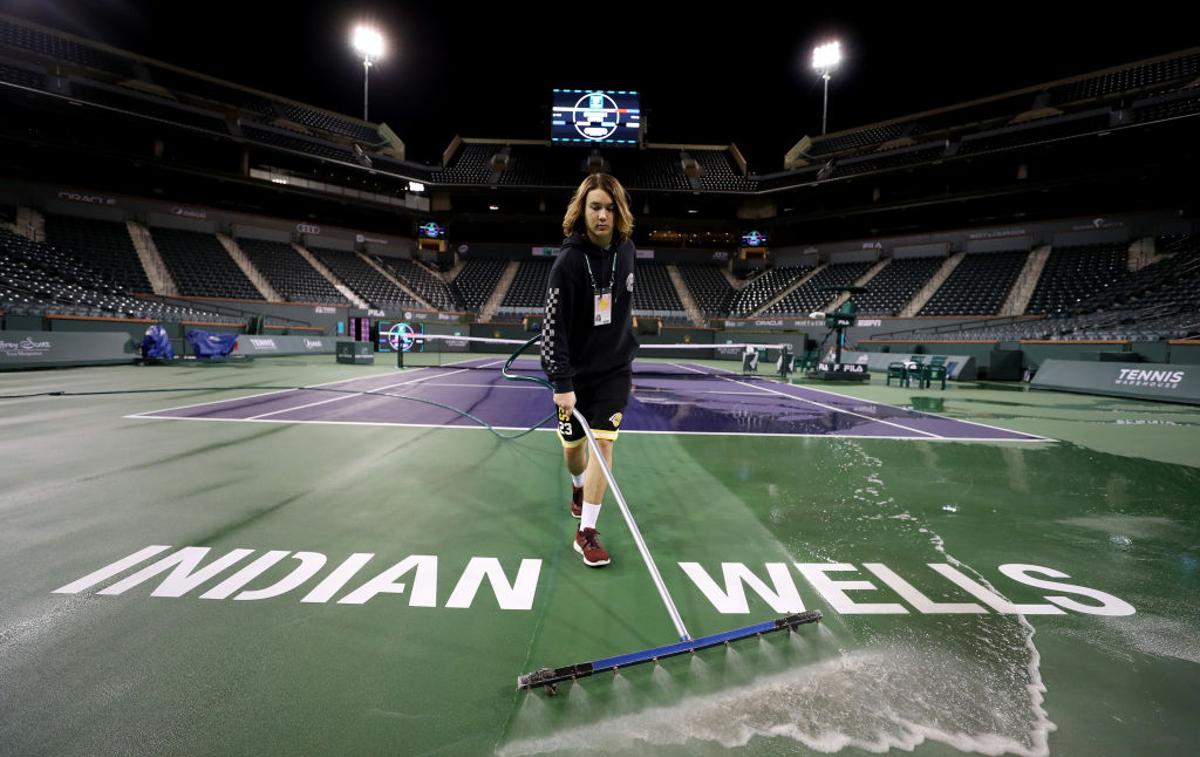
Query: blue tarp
point(208, 346)
point(156, 345)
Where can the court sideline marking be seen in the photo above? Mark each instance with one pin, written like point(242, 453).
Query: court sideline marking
point(820, 404)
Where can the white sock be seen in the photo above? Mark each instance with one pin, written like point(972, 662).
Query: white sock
point(591, 513)
point(576, 481)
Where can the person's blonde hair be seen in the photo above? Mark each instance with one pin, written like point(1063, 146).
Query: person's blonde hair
point(573, 221)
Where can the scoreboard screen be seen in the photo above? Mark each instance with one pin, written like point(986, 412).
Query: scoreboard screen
point(582, 116)
point(392, 336)
point(754, 239)
point(431, 230)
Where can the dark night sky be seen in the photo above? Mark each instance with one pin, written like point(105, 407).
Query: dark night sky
point(486, 71)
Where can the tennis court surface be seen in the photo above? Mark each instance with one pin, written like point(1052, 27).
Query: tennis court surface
point(326, 563)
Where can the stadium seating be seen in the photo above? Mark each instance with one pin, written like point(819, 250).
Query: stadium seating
point(37, 279)
point(213, 91)
point(61, 48)
point(476, 281)
point(149, 105)
point(979, 285)
point(882, 161)
point(286, 141)
point(1163, 107)
point(528, 289)
point(896, 285)
point(720, 174)
point(288, 273)
point(537, 165)
point(328, 122)
point(657, 169)
point(765, 287)
point(1074, 274)
point(858, 139)
point(201, 267)
point(104, 246)
point(1160, 301)
point(21, 76)
point(815, 293)
point(419, 279)
point(653, 289)
point(1128, 79)
point(1029, 133)
point(469, 165)
point(364, 280)
point(709, 287)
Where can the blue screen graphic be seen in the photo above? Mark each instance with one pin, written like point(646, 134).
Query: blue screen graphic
point(596, 116)
point(432, 230)
point(754, 239)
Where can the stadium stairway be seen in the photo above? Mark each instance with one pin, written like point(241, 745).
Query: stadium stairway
point(685, 296)
point(862, 281)
point(152, 262)
point(253, 274)
point(30, 224)
point(502, 286)
point(1143, 252)
point(320, 268)
point(397, 282)
point(788, 289)
point(926, 292)
point(1027, 281)
point(452, 274)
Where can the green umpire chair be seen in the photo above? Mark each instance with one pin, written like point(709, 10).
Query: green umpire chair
point(935, 370)
point(914, 370)
point(809, 360)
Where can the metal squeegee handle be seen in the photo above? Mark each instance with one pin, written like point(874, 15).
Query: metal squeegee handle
point(633, 529)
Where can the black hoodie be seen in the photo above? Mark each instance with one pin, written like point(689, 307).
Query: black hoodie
point(571, 346)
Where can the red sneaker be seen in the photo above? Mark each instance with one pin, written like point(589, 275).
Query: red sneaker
point(587, 545)
point(577, 501)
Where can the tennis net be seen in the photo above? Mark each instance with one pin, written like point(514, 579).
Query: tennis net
point(682, 360)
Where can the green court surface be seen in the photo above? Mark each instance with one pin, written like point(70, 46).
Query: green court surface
point(1066, 575)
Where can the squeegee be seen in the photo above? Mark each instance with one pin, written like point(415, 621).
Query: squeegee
point(549, 678)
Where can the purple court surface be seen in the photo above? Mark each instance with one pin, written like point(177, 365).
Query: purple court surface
point(677, 398)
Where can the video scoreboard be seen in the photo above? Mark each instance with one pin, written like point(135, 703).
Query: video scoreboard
point(596, 116)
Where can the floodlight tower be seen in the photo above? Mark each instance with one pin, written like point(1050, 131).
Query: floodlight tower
point(825, 60)
point(369, 44)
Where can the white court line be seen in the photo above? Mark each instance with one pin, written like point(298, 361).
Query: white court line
point(624, 432)
point(248, 396)
point(353, 395)
point(327, 383)
point(823, 405)
point(1035, 437)
point(495, 386)
point(270, 394)
point(313, 386)
point(651, 390)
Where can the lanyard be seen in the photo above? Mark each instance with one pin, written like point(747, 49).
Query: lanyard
point(611, 278)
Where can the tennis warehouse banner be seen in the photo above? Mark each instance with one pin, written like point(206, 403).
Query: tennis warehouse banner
point(54, 349)
point(1148, 381)
point(260, 346)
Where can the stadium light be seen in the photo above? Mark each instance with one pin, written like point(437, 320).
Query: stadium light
point(369, 45)
point(825, 59)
